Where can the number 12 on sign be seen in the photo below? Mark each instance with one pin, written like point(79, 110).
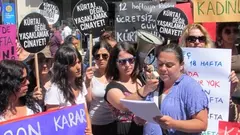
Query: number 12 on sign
point(123, 6)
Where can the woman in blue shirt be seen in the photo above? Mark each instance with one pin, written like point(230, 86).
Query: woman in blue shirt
point(184, 105)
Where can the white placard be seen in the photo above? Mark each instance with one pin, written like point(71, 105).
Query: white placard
point(211, 68)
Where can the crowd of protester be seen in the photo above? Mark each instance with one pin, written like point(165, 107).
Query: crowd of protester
point(66, 79)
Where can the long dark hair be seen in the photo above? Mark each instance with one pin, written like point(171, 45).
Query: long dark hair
point(11, 72)
point(112, 70)
point(66, 56)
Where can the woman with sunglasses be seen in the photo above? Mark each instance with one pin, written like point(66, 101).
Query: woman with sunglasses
point(227, 34)
point(195, 35)
point(67, 87)
point(227, 38)
point(15, 100)
point(103, 122)
point(197, 31)
point(123, 69)
point(44, 65)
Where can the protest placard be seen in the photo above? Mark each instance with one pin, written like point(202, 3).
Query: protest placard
point(68, 121)
point(137, 15)
point(8, 13)
point(228, 128)
point(90, 16)
point(216, 10)
point(212, 72)
point(8, 42)
point(34, 32)
point(171, 23)
point(50, 11)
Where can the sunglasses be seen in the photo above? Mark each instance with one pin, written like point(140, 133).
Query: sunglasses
point(98, 56)
point(229, 31)
point(193, 39)
point(23, 80)
point(124, 61)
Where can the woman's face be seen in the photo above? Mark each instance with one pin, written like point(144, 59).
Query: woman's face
point(169, 67)
point(24, 84)
point(196, 39)
point(75, 69)
point(75, 42)
point(229, 34)
point(125, 63)
point(101, 57)
point(44, 66)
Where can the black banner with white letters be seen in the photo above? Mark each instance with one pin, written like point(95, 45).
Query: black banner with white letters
point(137, 15)
point(33, 32)
point(171, 22)
point(50, 11)
point(90, 16)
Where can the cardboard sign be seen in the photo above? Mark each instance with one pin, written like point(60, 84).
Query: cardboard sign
point(90, 16)
point(171, 23)
point(34, 32)
point(212, 73)
point(137, 15)
point(50, 11)
point(216, 10)
point(8, 42)
point(228, 128)
point(68, 121)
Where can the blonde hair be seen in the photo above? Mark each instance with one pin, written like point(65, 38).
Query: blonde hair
point(208, 44)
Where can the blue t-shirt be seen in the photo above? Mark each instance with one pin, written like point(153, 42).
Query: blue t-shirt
point(184, 99)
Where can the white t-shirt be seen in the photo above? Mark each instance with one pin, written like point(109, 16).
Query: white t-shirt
point(29, 112)
point(54, 96)
point(66, 31)
point(99, 111)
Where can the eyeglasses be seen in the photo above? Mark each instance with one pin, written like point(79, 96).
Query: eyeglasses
point(23, 80)
point(193, 39)
point(98, 56)
point(124, 61)
point(229, 31)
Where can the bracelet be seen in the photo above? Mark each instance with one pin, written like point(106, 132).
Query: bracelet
point(140, 94)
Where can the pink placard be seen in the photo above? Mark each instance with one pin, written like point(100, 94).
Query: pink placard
point(8, 42)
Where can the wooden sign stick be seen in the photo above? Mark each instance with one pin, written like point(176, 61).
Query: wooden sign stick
point(37, 69)
point(90, 49)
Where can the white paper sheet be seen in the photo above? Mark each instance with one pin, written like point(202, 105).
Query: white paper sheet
point(143, 109)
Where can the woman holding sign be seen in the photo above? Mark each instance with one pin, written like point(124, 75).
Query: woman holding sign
point(15, 101)
point(122, 69)
point(183, 104)
point(195, 35)
point(67, 87)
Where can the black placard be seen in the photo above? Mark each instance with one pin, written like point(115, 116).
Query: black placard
point(137, 15)
point(50, 11)
point(33, 32)
point(171, 22)
point(90, 16)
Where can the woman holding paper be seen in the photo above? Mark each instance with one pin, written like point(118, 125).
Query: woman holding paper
point(67, 87)
point(183, 104)
point(122, 69)
point(15, 100)
point(195, 35)
point(103, 122)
